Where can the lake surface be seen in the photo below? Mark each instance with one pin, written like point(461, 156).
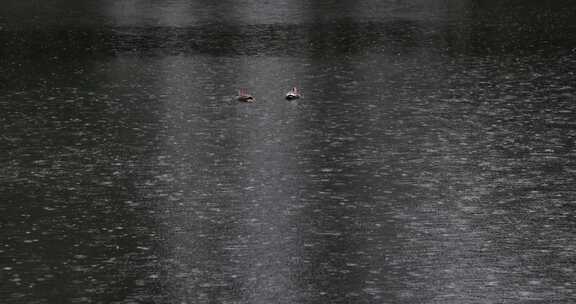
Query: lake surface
point(431, 160)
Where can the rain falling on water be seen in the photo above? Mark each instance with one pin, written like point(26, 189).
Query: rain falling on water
point(431, 160)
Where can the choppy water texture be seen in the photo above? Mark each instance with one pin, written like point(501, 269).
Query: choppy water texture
point(431, 160)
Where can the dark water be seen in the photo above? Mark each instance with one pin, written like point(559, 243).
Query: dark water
point(432, 159)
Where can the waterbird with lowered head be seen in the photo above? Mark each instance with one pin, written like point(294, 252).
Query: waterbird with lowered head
point(243, 96)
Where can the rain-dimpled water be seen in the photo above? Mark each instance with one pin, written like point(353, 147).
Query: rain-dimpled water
point(431, 158)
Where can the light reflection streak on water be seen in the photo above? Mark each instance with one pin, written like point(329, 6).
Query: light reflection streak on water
point(242, 190)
